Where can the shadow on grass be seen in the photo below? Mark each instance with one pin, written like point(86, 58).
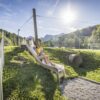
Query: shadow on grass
point(31, 81)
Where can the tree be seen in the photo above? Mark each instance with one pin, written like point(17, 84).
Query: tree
point(0, 36)
point(61, 41)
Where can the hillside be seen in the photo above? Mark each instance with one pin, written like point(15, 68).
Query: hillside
point(83, 32)
point(83, 38)
point(51, 37)
point(10, 38)
point(90, 68)
point(24, 79)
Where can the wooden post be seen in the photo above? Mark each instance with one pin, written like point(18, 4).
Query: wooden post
point(1, 65)
point(35, 25)
point(18, 37)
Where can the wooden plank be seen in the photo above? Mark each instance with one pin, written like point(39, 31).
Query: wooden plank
point(59, 74)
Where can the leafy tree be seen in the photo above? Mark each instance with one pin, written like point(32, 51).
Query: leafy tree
point(0, 36)
point(10, 38)
point(61, 41)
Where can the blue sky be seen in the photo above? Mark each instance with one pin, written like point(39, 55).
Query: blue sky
point(13, 13)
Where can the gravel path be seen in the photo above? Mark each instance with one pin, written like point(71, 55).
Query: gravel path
point(79, 89)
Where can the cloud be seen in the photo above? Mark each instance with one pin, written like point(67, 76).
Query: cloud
point(6, 11)
point(7, 15)
point(72, 29)
point(43, 3)
point(5, 8)
point(52, 10)
point(58, 29)
point(49, 13)
point(56, 4)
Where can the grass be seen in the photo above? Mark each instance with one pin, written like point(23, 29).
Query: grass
point(24, 79)
point(90, 67)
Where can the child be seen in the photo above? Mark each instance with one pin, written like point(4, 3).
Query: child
point(41, 54)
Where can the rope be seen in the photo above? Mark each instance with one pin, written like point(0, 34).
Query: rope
point(58, 18)
point(26, 22)
point(49, 17)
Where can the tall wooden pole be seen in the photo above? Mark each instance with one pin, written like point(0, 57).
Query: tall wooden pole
point(35, 25)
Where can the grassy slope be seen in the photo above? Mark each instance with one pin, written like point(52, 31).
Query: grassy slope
point(24, 79)
point(90, 67)
point(7, 41)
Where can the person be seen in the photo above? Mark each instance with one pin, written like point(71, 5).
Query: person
point(43, 57)
point(40, 52)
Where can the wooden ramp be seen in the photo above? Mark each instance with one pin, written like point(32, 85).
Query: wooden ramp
point(58, 69)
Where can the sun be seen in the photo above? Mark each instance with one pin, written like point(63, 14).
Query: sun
point(68, 15)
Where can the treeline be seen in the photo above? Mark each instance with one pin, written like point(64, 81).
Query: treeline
point(84, 38)
point(10, 38)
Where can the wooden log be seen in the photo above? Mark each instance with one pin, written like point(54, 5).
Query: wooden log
point(75, 59)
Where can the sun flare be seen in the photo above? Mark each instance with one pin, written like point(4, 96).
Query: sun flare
point(68, 15)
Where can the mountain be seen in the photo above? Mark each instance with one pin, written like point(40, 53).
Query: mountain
point(51, 37)
point(47, 37)
point(83, 32)
point(80, 38)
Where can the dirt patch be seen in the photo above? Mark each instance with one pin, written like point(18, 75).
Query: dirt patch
point(79, 89)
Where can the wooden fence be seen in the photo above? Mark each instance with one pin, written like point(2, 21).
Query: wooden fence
point(1, 65)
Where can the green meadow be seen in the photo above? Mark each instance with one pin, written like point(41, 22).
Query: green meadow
point(24, 79)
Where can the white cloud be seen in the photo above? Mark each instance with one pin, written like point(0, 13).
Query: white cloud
point(50, 29)
point(49, 13)
point(52, 10)
point(5, 7)
point(43, 3)
point(6, 12)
